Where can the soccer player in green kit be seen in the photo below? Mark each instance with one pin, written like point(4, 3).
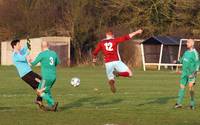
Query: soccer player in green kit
point(190, 66)
point(48, 60)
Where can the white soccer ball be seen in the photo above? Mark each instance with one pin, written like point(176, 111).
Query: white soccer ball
point(75, 81)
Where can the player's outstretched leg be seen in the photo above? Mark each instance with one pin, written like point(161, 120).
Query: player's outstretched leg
point(121, 69)
point(112, 85)
point(123, 74)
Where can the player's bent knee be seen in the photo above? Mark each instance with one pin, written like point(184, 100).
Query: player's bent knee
point(37, 80)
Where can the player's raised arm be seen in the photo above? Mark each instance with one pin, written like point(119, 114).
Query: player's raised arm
point(24, 49)
point(128, 37)
point(122, 39)
point(20, 58)
point(135, 33)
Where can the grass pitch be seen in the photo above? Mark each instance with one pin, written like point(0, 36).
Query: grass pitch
point(145, 99)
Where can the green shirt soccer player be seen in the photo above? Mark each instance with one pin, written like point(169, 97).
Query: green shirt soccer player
point(48, 60)
point(190, 66)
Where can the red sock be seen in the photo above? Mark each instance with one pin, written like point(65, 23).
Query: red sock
point(124, 74)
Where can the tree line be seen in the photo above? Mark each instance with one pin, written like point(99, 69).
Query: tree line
point(86, 21)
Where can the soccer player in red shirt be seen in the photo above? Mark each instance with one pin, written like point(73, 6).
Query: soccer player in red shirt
point(114, 65)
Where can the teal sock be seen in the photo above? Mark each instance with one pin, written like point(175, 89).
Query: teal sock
point(49, 100)
point(192, 102)
point(50, 94)
point(181, 94)
point(40, 86)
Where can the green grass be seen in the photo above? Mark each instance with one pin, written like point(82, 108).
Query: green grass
point(145, 99)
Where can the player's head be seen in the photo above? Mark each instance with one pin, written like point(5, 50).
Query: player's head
point(15, 44)
point(44, 45)
point(190, 43)
point(109, 35)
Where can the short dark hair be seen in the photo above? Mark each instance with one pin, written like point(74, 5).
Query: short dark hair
point(14, 42)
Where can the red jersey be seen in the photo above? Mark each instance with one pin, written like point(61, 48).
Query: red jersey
point(110, 48)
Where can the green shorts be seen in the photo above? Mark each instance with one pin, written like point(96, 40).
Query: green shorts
point(185, 80)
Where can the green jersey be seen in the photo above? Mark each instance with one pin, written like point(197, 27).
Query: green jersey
point(190, 62)
point(48, 60)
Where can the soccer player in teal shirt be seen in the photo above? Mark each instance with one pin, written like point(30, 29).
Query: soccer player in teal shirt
point(190, 66)
point(48, 60)
point(19, 58)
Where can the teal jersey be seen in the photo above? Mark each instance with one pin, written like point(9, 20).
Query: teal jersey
point(20, 62)
point(190, 62)
point(48, 60)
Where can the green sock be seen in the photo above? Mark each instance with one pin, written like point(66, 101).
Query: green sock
point(50, 94)
point(181, 94)
point(40, 86)
point(192, 102)
point(49, 100)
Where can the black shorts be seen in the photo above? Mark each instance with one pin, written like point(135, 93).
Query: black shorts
point(29, 78)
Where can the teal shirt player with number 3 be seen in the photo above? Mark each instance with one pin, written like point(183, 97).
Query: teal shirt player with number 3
point(49, 60)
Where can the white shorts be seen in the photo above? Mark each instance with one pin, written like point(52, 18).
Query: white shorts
point(119, 66)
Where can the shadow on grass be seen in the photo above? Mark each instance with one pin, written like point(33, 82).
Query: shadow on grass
point(94, 101)
point(5, 108)
point(161, 100)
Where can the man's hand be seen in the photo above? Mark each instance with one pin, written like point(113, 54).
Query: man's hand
point(135, 33)
point(28, 58)
point(138, 31)
point(194, 74)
